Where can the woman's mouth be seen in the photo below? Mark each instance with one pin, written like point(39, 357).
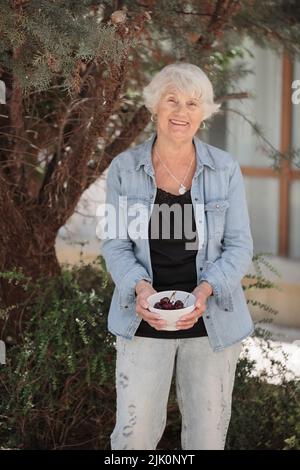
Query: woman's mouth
point(176, 122)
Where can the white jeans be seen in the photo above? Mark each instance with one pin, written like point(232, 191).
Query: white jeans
point(204, 384)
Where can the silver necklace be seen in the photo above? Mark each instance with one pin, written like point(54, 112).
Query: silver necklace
point(182, 189)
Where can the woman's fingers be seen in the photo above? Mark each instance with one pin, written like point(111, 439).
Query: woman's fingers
point(158, 325)
point(152, 318)
point(191, 316)
point(188, 320)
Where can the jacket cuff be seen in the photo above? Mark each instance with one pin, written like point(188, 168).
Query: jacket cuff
point(129, 281)
point(214, 276)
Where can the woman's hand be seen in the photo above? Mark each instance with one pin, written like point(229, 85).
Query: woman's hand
point(201, 292)
point(143, 290)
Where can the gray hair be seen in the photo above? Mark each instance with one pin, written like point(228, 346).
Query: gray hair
point(188, 78)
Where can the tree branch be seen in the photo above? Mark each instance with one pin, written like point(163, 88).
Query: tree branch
point(256, 130)
point(11, 218)
point(129, 133)
point(69, 178)
point(66, 178)
point(234, 96)
point(224, 10)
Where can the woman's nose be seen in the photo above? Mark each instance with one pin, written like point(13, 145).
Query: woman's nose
point(180, 106)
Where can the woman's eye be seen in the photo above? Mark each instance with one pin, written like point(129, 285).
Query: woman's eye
point(172, 100)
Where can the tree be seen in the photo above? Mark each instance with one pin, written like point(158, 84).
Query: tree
point(73, 72)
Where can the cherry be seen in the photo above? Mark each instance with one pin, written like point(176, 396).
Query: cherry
point(165, 300)
point(166, 304)
point(178, 304)
point(157, 305)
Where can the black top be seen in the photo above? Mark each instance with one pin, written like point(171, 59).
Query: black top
point(173, 262)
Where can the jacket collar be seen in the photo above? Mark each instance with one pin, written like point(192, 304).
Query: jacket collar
point(202, 154)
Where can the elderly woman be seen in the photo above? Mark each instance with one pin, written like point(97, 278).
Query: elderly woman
point(174, 167)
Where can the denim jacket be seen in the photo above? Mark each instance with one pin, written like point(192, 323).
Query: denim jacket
point(225, 247)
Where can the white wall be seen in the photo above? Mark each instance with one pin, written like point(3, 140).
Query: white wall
point(250, 150)
point(295, 187)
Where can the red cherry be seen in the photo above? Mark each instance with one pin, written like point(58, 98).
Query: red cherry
point(168, 306)
point(178, 304)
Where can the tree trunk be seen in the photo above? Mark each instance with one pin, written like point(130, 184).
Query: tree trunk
point(33, 254)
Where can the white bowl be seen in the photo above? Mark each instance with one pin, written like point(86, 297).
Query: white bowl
point(172, 316)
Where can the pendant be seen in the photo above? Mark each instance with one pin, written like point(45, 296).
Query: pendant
point(182, 189)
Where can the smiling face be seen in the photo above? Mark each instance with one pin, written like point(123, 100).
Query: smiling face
point(178, 115)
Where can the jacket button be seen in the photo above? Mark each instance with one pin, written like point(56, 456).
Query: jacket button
point(125, 306)
point(201, 269)
point(226, 309)
point(207, 316)
point(217, 206)
point(196, 199)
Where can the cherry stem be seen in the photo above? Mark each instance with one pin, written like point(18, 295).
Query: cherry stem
point(186, 299)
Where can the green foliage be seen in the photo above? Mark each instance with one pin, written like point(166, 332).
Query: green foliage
point(51, 37)
point(56, 386)
point(271, 22)
point(264, 415)
point(265, 407)
point(15, 276)
point(261, 282)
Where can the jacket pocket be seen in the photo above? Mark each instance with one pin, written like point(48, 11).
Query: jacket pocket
point(215, 212)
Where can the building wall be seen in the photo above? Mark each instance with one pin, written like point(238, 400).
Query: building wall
point(295, 187)
point(263, 193)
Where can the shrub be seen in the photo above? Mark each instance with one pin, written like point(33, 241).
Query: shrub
point(56, 388)
point(264, 415)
